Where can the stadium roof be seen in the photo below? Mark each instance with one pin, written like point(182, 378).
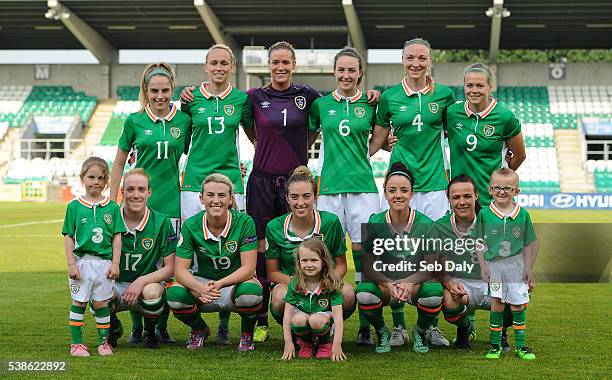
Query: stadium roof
point(448, 24)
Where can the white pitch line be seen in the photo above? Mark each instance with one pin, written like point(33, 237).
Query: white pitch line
point(2, 226)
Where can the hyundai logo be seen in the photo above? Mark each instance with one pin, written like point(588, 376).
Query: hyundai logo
point(563, 200)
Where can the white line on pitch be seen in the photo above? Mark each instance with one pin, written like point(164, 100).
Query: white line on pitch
point(30, 223)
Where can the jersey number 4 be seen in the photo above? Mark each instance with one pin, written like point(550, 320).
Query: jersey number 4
point(418, 122)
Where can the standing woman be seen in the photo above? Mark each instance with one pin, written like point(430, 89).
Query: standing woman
point(400, 221)
point(285, 233)
point(482, 135)
point(216, 109)
point(346, 184)
point(157, 135)
point(414, 111)
point(215, 265)
point(280, 111)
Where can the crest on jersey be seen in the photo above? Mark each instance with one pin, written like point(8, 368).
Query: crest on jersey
point(229, 109)
point(324, 303)
point(317, 236)
point(488, 130)
point(403, 108)
point(360, 111)
point(231, 246)
point(516, 232)
point(74, 288)
point(175, 132)
point(108, 218)
point(495, 286)
point(300, 102)
point(434, 107)
point(147, 243)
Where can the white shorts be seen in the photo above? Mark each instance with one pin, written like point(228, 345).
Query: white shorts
point(353, 210)
point(434, 204)
point(477, 292)
point(506, 280)
point(222, 304)
point(191, 205)
point(93, 284)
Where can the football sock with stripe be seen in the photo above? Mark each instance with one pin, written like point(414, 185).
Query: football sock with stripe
point(519, 323)
point(77, 315)
point(102, 323)
point(496, 320)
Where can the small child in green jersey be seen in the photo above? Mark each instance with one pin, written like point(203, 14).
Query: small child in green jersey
point(314, 305)
point(507, 261)
point(92, 241)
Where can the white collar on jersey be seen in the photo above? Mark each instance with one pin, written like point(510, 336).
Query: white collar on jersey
point(315, 230)
point(209, 95)
point(499, 213)
point(141, 225)
point(484, 113)
point(411, 92)
point(155, 118)
point(210, 235)
point(336, 94)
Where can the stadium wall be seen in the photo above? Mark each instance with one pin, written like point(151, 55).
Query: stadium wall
point(91, 80)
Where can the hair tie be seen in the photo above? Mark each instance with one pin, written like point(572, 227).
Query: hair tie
point(158, 71)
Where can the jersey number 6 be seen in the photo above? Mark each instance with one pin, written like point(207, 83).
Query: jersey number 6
point(344, 128)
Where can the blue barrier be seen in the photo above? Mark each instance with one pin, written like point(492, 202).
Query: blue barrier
point(566, 201)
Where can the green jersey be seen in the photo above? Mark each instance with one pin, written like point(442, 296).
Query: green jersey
point(477, 142)
point(281, 242)
point(158, 144)
point(93, 226)
point(310, 302)
point(504, 235)
point(142, 248)
point(457, 246)
point(214, 147)
point(345, 125)
point(216, 257)
point(380, 228)
point(416, 119)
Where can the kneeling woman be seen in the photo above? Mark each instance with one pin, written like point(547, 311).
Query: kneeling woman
point(285, 233)
point(380, 289)
point(215, 265)
point(150, 237)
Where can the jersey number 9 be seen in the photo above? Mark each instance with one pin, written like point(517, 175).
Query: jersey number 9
point(472, 141)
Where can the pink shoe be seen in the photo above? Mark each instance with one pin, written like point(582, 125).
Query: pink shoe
point(246, 342)
point(306, 349)
point(78, 350)
point(197, 338)
point(324, 351)
point(105, 349)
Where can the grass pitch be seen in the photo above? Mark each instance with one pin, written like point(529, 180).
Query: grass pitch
point(568, 325)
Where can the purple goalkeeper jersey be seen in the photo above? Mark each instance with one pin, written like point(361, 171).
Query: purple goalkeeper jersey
point(281, 127)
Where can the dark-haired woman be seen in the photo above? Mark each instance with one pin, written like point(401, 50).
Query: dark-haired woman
point(380, 285)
